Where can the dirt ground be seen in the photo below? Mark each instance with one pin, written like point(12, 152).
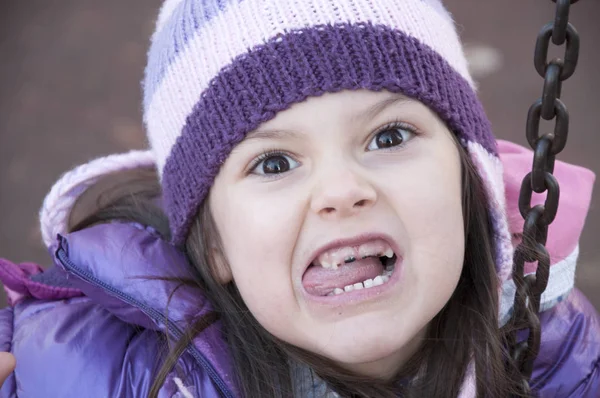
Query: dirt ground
point(70, 91)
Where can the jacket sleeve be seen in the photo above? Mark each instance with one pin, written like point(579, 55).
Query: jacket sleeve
point(74, 348)
point(568, 364)
point(70, 345)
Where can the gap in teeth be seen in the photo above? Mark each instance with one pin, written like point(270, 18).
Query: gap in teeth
point(346, 255)
point(378, 280)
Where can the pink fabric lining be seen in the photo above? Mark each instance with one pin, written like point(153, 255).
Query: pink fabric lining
point(18, 285)
point(576, 185)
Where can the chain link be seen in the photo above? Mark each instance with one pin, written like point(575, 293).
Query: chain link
point(532, 248)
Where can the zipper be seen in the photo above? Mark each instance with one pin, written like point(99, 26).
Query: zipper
point(151, 312)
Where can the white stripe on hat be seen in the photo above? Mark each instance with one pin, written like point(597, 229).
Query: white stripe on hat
point(166, 12)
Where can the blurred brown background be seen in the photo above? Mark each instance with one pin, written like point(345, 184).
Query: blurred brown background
point(70, 73)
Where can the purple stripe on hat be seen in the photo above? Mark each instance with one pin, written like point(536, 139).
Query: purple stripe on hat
point(185, 20)
point(292, 67)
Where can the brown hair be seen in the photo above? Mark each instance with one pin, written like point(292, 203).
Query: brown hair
point(465, 330)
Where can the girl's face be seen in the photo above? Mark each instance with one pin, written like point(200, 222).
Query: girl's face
point(307, 195)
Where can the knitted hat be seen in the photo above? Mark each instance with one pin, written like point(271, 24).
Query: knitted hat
point(217, 69)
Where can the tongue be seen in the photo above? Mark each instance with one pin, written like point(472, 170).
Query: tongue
point(319, 281)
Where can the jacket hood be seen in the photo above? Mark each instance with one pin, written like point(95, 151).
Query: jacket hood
point(563, 240)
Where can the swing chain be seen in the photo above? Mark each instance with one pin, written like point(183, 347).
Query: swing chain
point(529, 288)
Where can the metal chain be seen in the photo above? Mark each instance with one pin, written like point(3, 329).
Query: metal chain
point(532, 248)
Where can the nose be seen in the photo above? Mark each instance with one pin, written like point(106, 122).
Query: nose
point(342, 193)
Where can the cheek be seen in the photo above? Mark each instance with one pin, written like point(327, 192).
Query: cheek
point(429, 205)
point(434, 217)
point(258, 235)
point(259, 227)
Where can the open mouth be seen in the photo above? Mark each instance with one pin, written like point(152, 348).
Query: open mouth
point(347, 268)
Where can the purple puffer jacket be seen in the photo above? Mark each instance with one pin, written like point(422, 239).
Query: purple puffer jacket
point(92, 326)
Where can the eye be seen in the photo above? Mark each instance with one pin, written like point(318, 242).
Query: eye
point(273, 163)
point(391, 136)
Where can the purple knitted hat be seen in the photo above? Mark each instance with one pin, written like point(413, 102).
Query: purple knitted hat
point(217, 69)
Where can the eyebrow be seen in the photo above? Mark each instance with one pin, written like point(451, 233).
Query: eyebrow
point(380, 106)
point(270, 134)
point(369, 113)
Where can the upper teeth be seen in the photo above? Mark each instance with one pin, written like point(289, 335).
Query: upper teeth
point(331, 259)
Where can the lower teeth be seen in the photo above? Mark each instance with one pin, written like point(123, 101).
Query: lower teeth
point(378, 280)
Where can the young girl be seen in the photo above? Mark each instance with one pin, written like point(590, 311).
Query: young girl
point(322, 214)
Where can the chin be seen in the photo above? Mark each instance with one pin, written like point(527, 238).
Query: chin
point(374, 354)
